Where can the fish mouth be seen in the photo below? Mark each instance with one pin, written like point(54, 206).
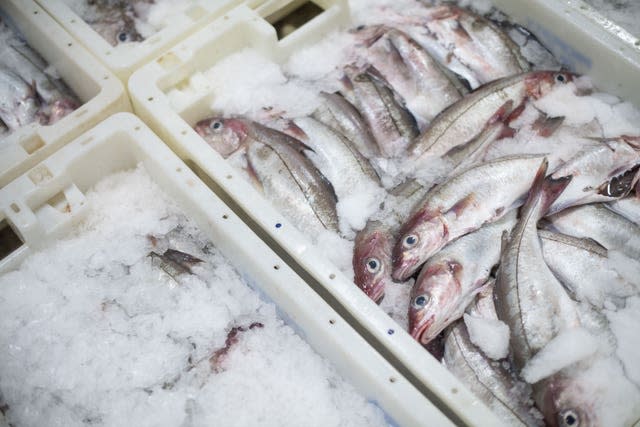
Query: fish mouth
point(402, 270)
point(418, 333)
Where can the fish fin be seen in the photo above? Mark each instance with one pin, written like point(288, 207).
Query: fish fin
point(632, 140)
point(296, 131)
point(545, 126)
point(544, 191)
point(515, 113)
point(253, 176)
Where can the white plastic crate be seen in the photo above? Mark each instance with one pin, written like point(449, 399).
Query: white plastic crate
point(127, 58)
point(123, 141)
point(243, 28)
point(101, 93)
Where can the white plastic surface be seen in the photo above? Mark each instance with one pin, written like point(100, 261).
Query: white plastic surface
point(243, 28)
point(583, 40)
point(127, 58)
point(123, 141)
point(99, 90)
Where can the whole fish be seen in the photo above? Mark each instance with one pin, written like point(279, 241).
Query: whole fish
point(114, 20)
point(582, 266)
point(602, 172)
point(391, 124)
point(596, 222)
point(488, 379)
point(417, 77)
point(628, 207)
point(276, 160)
point(340, 115)
point(466, 118)
point(460, 205)
point(450, 279)
point(529, 299)
point(371, 259)
point(19, 104)
point(337, 158)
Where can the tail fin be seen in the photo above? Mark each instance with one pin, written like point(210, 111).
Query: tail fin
point(544, 191)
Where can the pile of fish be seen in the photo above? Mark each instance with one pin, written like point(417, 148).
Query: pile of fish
point(29, 89)
point(497, 232)
point(114, 20)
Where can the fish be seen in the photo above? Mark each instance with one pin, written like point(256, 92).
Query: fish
point(340, 115)
point(114, 20)
point(175, 262)
point(583, 268)
point(450, 280)
point(476, 196)
point(417, 77)
point(391, 124)
point(279, 167)
point(463, 120)
point(492, 382)
point(19, 104)
point(602, 172)
point(628, 207)
point(595, 221)
point(529, 298)
point(372, 262)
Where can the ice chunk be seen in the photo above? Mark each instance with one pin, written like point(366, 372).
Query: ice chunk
point(490, 335)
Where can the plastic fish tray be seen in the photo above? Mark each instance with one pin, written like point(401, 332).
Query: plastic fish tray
point(243, 28)
point(127, 58)
point(45, 202)
point(100, 91)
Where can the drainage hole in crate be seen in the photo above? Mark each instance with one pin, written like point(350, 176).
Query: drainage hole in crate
point(392, 379)
point(225, 216)
point(105, 78)
point(454, 390)
point(178, 169)
point(108, 52)
point(278, 225)
point(332, 321)
point(73, 21)
point(184, 132)
point(136, 128)
point(294, 19)
point(332, 276)
point(150, 98)
point(229, 176)
point(9, 239)
point(35, 12)
point(276, 267)
point(32, 144)
point(15, 208)
point(69, 44)
point(391, 332)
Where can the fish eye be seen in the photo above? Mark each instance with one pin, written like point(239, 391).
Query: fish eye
point(421, 300)
point(123, 36)
point(560, 78)
point(216, 125)
point(373, 265)
point(569, 418)
point(410, 241)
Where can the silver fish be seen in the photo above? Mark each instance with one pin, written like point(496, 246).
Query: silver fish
point(391, 124)
point(114, 20)
point(529, 299)
point(466, 118)
point(582, 266)
point(595, 221)
point(340, 115)
point(450, 279)
point(18, 100)
point(460, 205)
point(628, 207)
point(489, 380)
point(602, 172)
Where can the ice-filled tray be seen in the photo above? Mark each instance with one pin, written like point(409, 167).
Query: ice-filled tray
point(99, 91)
point(45, 203)
point(239, 29)
point(173, 21)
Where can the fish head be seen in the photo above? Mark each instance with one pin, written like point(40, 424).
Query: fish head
point(539, 83)
point(225, 136)
point(420, 238)
point(566, 403)
point(372, 261)
point(60, 108)
point(433, 299)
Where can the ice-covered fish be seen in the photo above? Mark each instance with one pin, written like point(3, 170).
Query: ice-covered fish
point(114, 20)
point(340, 115)
point(465, 119)
point(417, 77)
point(529, 299)
point(628, 207)
point(583, 267)
point(450, 280)
point(604, 171)
point(391, 123)
point(595, 221)
point(488, 379)
point(19, 103)
point(460, 205)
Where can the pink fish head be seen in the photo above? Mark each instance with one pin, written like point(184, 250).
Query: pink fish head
point(226, 136)
point(565, 402)
point(372, 261)
point(540, 83)
point(60, 108)
point(433, 300)
point(420, 238)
